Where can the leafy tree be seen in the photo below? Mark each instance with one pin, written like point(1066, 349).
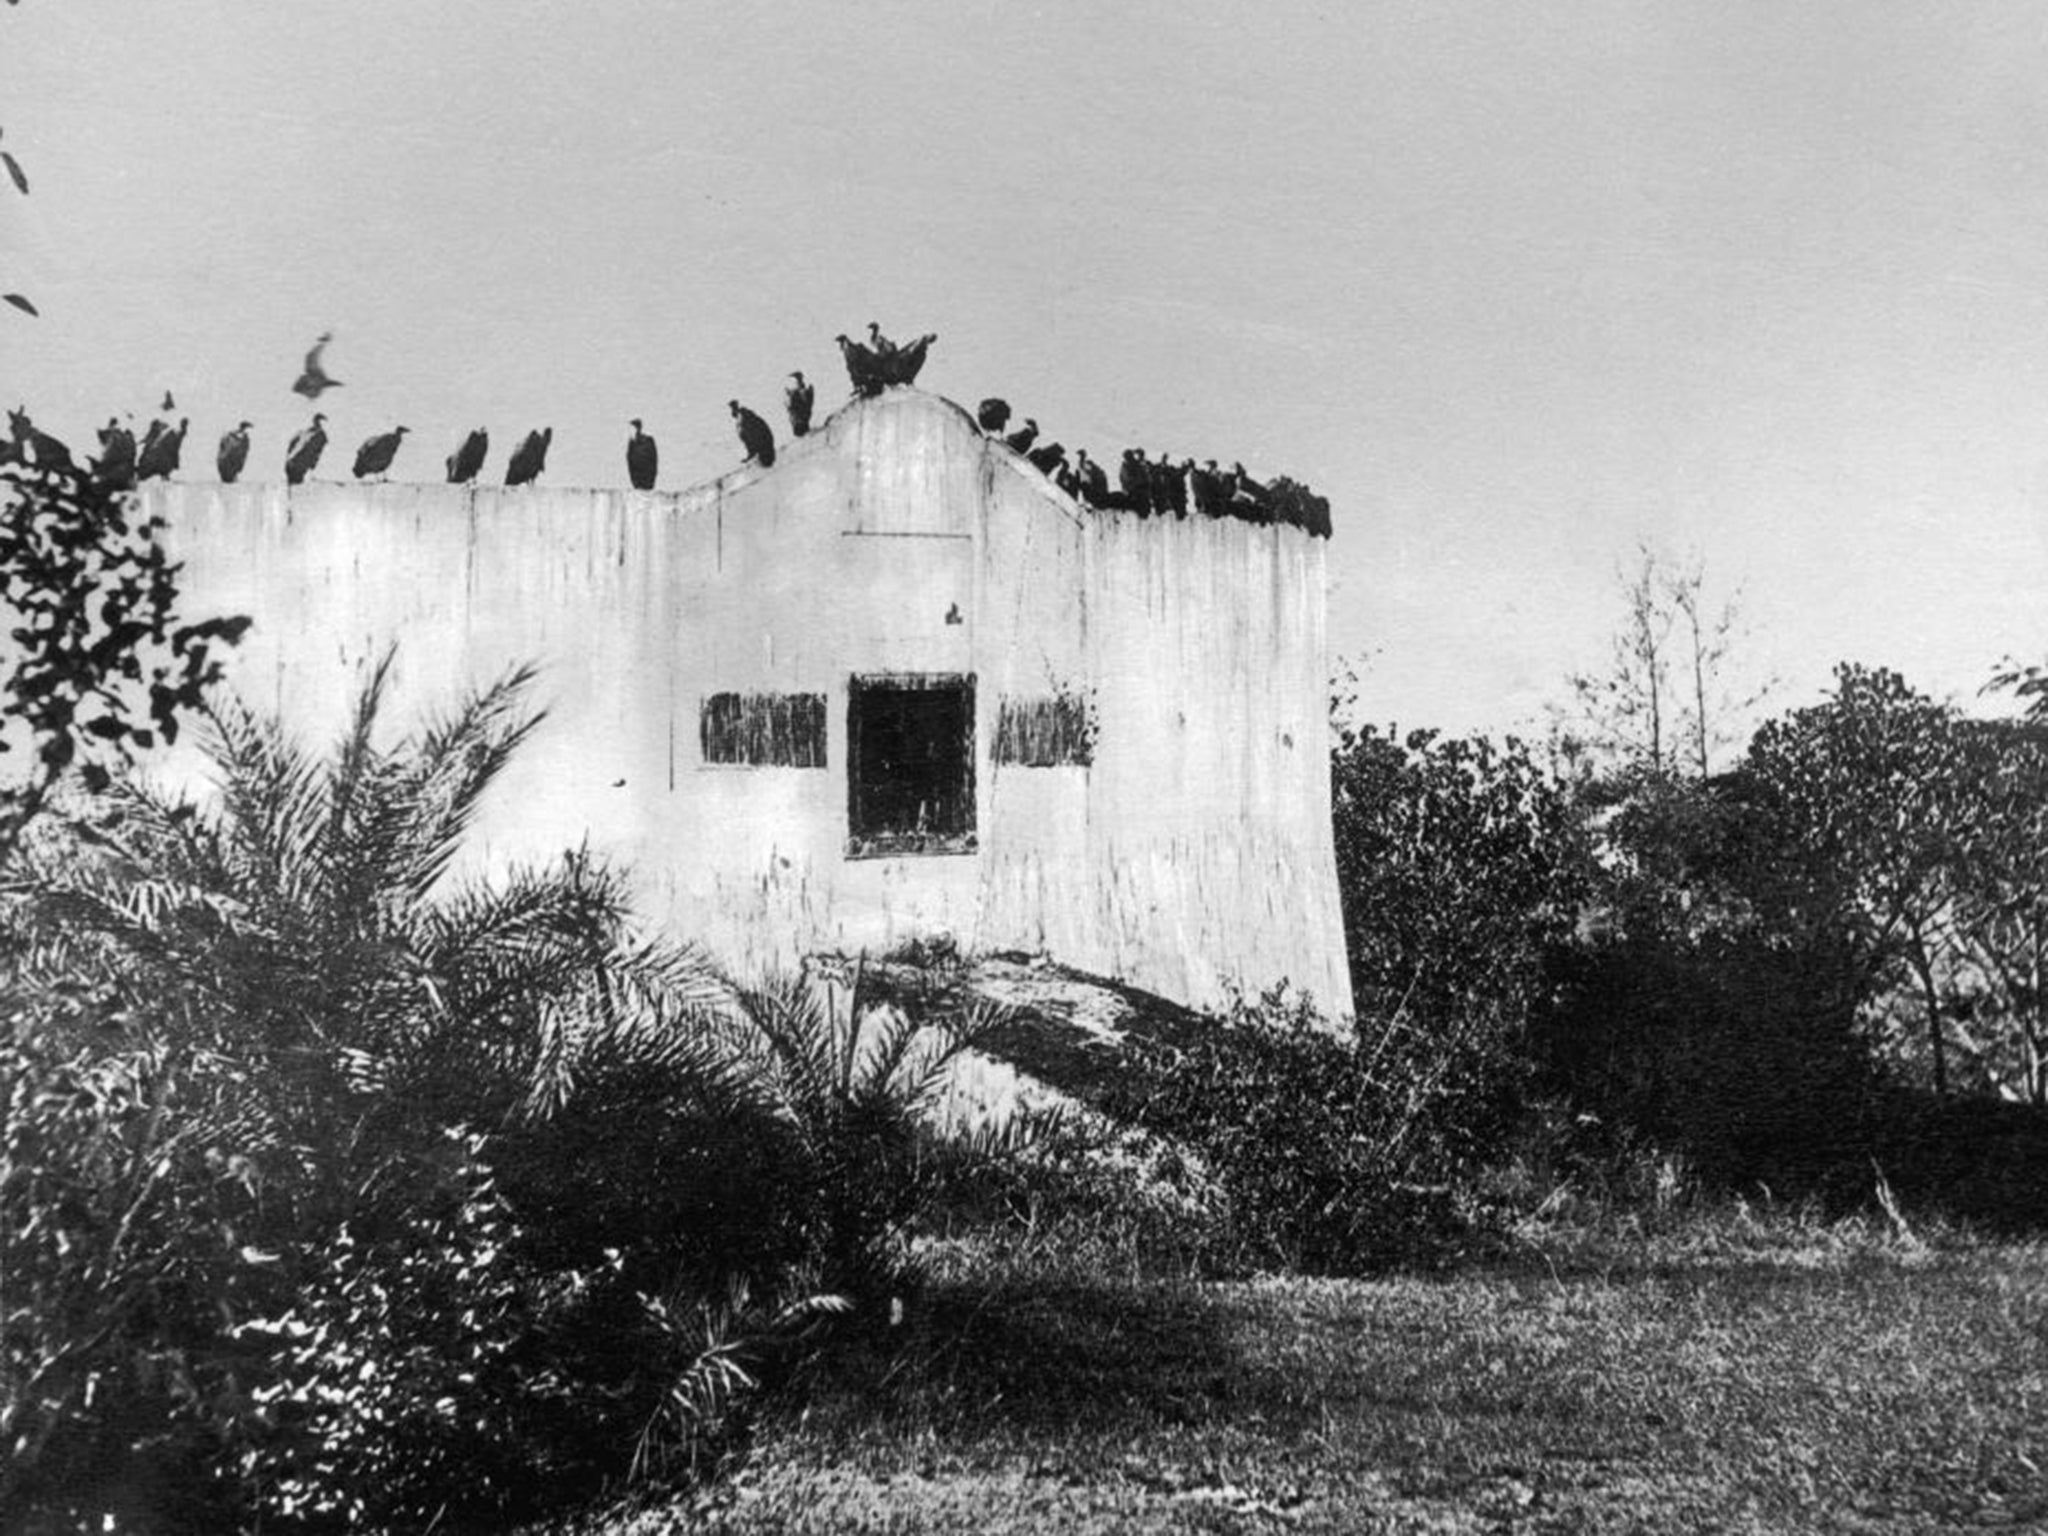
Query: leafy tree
point(1458, 865)
point(100, 664)
point(1868, 792)
point(2001, 904)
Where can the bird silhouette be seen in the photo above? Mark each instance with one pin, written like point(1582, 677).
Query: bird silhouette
point(1049, 458)
point(468, 459)
point(306, 447)
point(909, 361)
point(233, 452)
point(529, 458)
point(33, 445)
point(115, 467)
point(993, 416)
point(314, 380)
point(1021, 440)
point(376, 454)
point(799, 397)
point(755, 435)
point(161, 451)
point(863, 369)
point(643, 458)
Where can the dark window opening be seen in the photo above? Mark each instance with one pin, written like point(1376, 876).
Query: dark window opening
point(909, 764)
point(764, 730)
point(1045, 732)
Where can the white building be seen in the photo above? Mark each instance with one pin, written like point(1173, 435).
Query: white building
point(897, 686)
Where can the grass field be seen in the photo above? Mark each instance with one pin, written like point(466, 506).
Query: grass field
point(1730, 1372)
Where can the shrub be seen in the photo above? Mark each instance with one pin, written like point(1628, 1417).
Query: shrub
point(1337, 1157)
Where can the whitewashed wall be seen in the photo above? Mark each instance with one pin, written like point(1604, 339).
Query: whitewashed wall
point(1192, 857)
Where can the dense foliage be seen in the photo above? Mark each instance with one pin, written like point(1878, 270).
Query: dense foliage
point(338, 1192)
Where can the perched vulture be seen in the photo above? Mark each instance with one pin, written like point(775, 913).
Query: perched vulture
point(32, 442)
point(755, 435)
point(1049, 459)
point(863, 368)
point(799, 397)
point(305, 450)
point(908, 361)
point(1135, 481)
point(642, 458)
point(115, 467)
point(883, 348)
point(1093, 482)
point(376, 454)
point(993, 416)
point(314, 380)
point(466, 460)
point(233, 452)
point(530, 458)
point(1020, 441)
point(161, 451)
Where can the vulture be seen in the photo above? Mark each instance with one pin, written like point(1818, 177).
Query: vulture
point(642, 458)
point(1208, 488)
point(530, 458)
point(755, 436)
point(169, 404)
point(1049, 459)
point(1135, 481)
point(115, 467)
point(161, 450)
point(1094, 483)
point(863, 368)
point(376, 454)
point(315, 379)
point(799, 397)
point(233, 452)
point(466, 460)
point(48, 452)
point(883, 348)
point(907, 362)
point(1020, 441)
point(305, 450)
point(993, 416)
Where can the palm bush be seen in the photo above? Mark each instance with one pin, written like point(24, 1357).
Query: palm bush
point(344, 1188)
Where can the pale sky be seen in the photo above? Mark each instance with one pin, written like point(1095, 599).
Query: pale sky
point(1516, 286)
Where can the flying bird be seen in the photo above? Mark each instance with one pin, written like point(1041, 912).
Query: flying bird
point(305, 450)
point(799, 397)
point(161, 451)
point(642, 458)
point(115, 467)
point(529, 458)
point(466, 460)
point(755, 435)
point(1022, 439)
point(233, 452)
point(993, 416)
point(314, 380)
point(169, 404)
point(376, 454)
